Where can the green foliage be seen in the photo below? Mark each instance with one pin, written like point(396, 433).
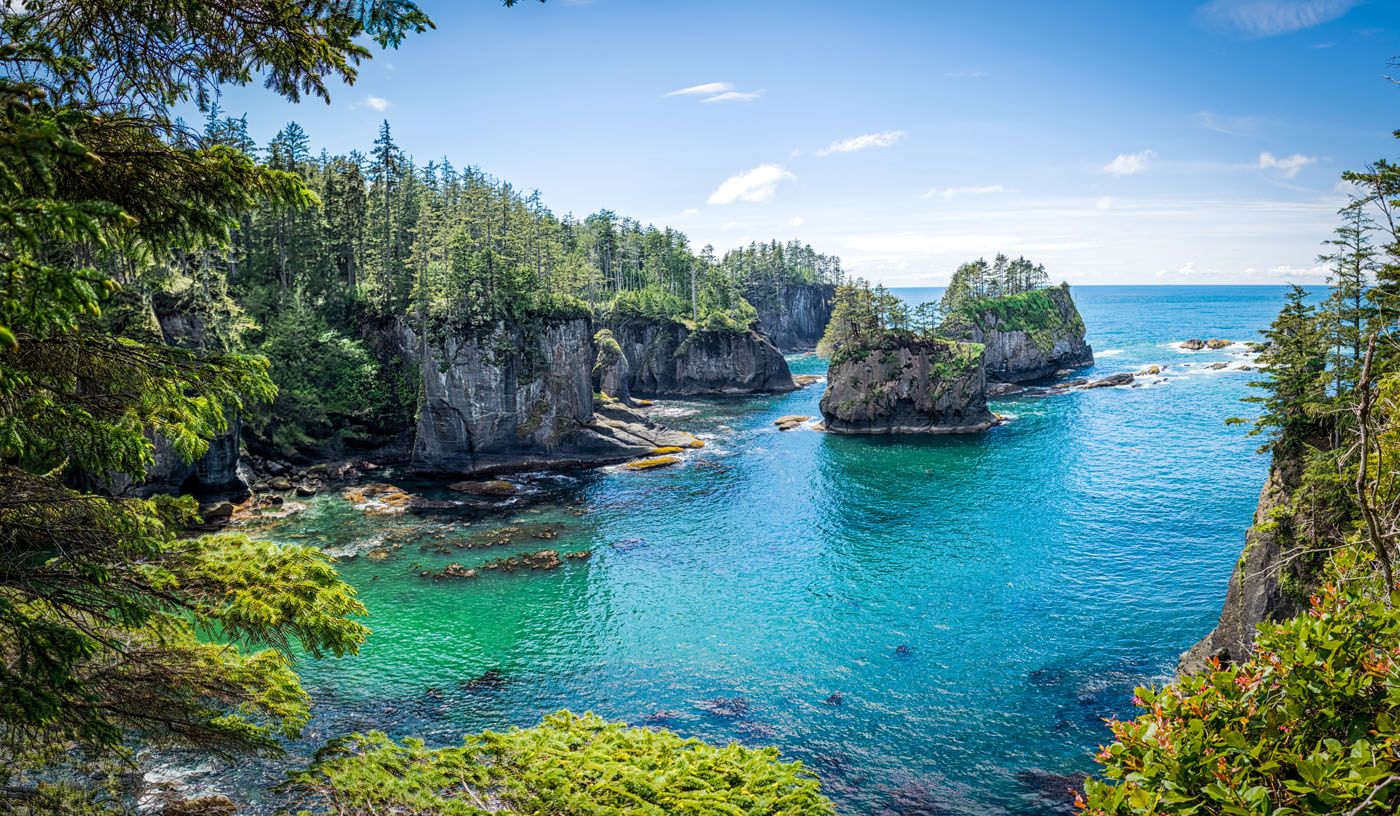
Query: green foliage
point(979, 280)
point(330, 388)
point(114, 631)
point(1294, 379)
point(566, 766)
point(1310, 722)
point(1309, 725)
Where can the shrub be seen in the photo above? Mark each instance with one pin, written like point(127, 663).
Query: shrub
point(1309, 725)
point(566, 766)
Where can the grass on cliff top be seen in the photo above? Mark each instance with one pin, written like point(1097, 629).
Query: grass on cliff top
point(567, 765)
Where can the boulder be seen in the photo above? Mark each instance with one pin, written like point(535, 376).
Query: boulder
point(1122, 378)
point(1194, 344)
point(787, 423)
point(652, 463)
point(1218, 343)
point(611, 371)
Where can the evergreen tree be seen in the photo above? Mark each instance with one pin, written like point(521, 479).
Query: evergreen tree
point(1294, 384)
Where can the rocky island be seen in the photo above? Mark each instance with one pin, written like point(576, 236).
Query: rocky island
point(1030, 329)
point(908, 385)
point(925, 370)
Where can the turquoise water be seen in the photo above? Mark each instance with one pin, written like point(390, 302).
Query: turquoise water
point(933, 625)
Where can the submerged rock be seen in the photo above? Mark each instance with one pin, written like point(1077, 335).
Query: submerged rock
point(907, 386)
point(490, 487)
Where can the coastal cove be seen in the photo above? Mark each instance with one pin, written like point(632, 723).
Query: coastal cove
point(933, 625)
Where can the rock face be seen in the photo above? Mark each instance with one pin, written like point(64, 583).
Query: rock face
point(934, 386)
point(1029, 336)
point(795, 316)
point(611, 373)
point(521, 396)
point(665, 358)
point(1257, 590)
point(212, 476)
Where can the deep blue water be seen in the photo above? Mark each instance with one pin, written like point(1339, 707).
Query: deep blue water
point(979, 604)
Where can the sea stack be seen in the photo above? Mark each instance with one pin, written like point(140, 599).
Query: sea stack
point(1028, 336)
point(907, 385)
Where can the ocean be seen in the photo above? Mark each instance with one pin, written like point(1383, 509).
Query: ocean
point(935, 625)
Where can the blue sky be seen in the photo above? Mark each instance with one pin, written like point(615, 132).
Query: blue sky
point(1118, 142)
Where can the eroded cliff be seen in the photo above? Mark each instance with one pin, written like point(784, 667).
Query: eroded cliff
point(666, 358)
point(795, 316)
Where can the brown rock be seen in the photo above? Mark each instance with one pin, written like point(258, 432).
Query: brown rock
point(490, 487)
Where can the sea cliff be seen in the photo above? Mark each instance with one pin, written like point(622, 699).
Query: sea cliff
point(667, 358)
point(1271, 580)
point(795, 316)
point(907, 385)
point(519, 396)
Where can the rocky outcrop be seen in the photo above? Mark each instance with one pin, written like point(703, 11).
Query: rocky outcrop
point(521, 396)
point(611, 373)
point(1270, 581)
point(795, 316)
point(665, 358)
point(1028, 336)
point(907, 386)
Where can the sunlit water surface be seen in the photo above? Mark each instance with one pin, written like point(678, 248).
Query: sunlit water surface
point(932, 625)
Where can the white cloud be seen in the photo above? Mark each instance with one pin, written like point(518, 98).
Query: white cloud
point(703, 89)
point(377, 103)
point(689, 211)
point(1287, 166)
point(1268, 18)
point(734, 96)
point(796, 221)
point(1104, 204)
point(1232, 125)
point(951, 192)
point(715, 92)
point(965, 74)
point(1129, 164)
point(758, 184)
point(863, 142)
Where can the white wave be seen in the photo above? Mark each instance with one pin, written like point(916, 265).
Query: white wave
point(1109, 352)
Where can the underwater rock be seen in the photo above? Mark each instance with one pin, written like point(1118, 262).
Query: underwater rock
point(490, 487)
point(835, 699)
point(1217, 366)
point(804, 380)
point(732, 707)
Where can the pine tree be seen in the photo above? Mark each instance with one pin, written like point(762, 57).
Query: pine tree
point(1294, 385)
